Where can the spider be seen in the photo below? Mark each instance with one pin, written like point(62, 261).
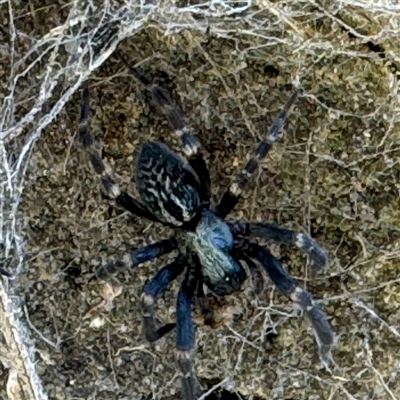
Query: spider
point(211, 252)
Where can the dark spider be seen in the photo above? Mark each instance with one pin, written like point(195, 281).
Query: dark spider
point(210, 250)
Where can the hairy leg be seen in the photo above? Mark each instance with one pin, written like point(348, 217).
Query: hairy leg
point(101, 168)
point(154, 287)
point(288, 286)
point(191, 147)
point(185, 336)
point(138, 256)
point(232, 195)
point(201, 298)
point(305, 243)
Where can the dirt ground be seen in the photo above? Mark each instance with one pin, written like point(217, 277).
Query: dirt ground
point(334, 175)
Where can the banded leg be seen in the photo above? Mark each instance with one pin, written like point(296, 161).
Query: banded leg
point(275, 131)
point(288, 287)
point(155, 286)
point(102, 169)
point(138, 256)
point(305, 243)
point(185, 336)
point(190, 145)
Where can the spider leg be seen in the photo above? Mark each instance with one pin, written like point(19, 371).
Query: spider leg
point(256, 275)
point(185, 335)
point(155, 286)
point(190, 145)
point(202, 300)
point(317, 254)
point(290, 289)
point(204, 304)
point(102, 169)
point(138, 256)
point(232, 195)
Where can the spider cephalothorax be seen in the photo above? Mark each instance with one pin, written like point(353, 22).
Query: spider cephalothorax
point(212, 243)
point(210, 251)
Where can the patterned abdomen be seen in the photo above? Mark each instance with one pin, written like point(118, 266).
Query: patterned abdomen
point(167, 186)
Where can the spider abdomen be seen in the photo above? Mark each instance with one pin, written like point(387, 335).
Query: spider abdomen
point(166, 184)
